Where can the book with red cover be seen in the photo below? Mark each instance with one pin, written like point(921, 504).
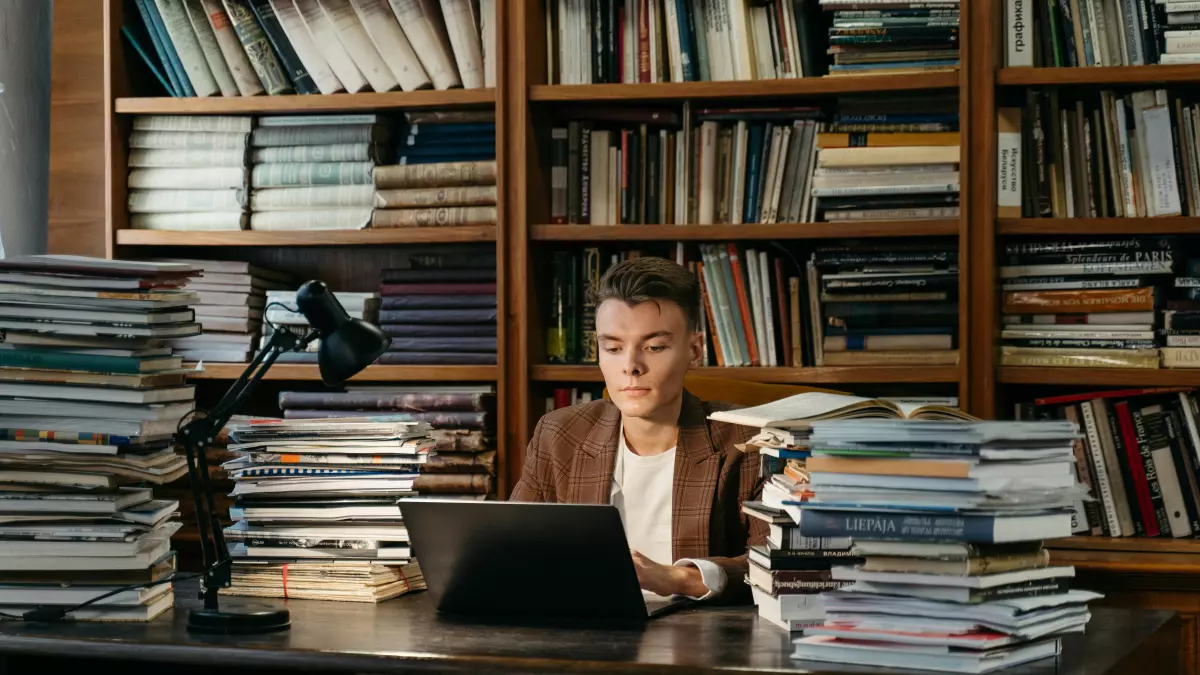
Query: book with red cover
point(1133, 458)
point(746, 318)
point(1115, 393)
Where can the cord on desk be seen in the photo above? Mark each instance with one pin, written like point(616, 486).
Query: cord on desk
point(50, 614)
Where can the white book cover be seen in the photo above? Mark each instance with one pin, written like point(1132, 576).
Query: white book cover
point(358, 45)
point(716, 17)
point(1128, 12)
point(325, 37)
point(741, 41)
point(462, 26)
point(599, 168)
point(629, 43)
point(1008, 154)
point(753, 277)
point(1160, 151)
point(487, 28)
point(764, 55)
point(421, 21)
point(738, 195)
point(393, 46)
point(772, 156)
point(656, 73)
point(307, 51)
point(243, 73)
point(183, 37)
point(680, 215)
point(1018, 32)
point(674, 47)
point(793, 41)
point(765, 271)
point(212, 51)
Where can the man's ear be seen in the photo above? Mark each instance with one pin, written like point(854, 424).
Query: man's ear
point(696, 345)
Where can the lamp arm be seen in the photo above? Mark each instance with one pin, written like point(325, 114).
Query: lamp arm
point(198, 434)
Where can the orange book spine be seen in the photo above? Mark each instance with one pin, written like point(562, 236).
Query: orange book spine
point(1097, 300)
point(744, 305)
point(885, 140)
point(712, 324)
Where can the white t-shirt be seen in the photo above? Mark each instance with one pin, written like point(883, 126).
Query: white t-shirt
point(642, 488)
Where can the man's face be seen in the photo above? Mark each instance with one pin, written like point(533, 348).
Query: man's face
point(645, 350)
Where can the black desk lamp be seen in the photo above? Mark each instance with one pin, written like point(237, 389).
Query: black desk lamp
point(347, 346)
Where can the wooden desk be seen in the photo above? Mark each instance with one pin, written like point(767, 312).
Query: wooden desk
point(406, 635)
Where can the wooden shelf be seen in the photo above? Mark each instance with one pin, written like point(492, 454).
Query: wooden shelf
point(305, 371)
point(1101, 377)
point(943, 227)
point(1127, 544)
point(398, 235)
point(251, 105)
point(914, 375)
point(678, 91)
point(1097, 226)
point(1025, 77)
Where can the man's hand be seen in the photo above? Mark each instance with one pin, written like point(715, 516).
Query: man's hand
point(668, 579)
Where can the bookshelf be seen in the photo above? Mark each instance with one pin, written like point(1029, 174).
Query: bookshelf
point(347, 260)
point(533, 104)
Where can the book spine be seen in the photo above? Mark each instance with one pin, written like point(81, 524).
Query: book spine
point(1100, 300)
point(258, 49)
point(1132, 445)
point(447, 174)
point(285, 175)
point(1124, 495)
point(325, 38)
point(461, 26)
point(445, 216)
point(207, 41)
point(898, 526)
point(1091, 509)
point(1103, 481)
point(301, 41)
point(162, 46)
point(1159, 467)
point(1010, 162)
point(175, 30)
point(1183, 473)
point(288, 59)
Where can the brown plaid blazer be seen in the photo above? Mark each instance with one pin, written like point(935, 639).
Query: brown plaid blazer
point(573, 453)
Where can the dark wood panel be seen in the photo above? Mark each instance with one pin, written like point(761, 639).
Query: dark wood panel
point(77, 165)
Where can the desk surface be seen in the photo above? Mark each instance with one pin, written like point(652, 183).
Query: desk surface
point(406, 634)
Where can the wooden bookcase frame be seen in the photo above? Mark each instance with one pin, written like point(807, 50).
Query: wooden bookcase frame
point(332, 255)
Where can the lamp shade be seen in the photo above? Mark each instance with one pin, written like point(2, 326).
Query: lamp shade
point(347, 345)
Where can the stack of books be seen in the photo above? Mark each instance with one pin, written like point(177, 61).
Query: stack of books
point(90, 397)
point(789, 572)
point(1098, 33)
point(1138, 453)
point(252, 47)
point(282, 314)
point(439, 136)
point(316, 513)
point(188, 172)
point(230, 296)
point(950, 517)
point(1099, 154)
point(678, 41)
point(437, 194)
point(1088, 302)
point(874, 305)
point(448, 409)
point(315, 172)
point(899, 38)
point(1181, 320)
point(444, 316)
point(888, 159)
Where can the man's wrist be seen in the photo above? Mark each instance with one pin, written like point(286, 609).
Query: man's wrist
point(689, 582)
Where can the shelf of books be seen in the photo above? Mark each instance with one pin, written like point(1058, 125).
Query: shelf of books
point(314, 103)
point(800, 184)
point(747, 231)
point(826, 375)
point(368, 237)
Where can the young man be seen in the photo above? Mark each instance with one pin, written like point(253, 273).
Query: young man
point(676, 478)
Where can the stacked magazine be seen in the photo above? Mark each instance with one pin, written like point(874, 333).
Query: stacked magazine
point(316, 512)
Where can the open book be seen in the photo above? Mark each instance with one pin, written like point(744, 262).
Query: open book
point(801, 410)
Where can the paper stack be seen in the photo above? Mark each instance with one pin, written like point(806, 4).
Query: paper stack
point(316, 514)
point(950, 518)
point(363, 306)
point(788, 574)
point(455, 412)
point(90, 397)
point(229, 307)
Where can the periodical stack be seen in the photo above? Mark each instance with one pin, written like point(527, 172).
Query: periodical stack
point(456, 413)
point(439, 317)
point(90, 397)
point(950, 517)
point(229, 308)
point(315, 512)
point(436, 194)
point(315, 172)
point(188, 172)
point(899, 38)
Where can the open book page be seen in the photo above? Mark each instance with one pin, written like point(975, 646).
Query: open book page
point(919, 411)
point(795, 411)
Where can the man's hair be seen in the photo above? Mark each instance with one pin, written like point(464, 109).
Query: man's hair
point(651, 279)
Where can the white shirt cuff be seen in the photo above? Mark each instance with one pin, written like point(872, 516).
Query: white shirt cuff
point(713, 575)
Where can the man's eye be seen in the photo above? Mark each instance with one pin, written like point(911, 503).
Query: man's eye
point(657, 348)
point(612, 350)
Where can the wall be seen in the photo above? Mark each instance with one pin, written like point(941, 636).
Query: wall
point(24, 100)
point(77, 128)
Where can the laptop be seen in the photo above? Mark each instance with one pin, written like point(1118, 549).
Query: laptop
point(527, 559)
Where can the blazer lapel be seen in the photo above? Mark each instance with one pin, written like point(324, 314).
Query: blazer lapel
point(592, 467)
point(697, 469)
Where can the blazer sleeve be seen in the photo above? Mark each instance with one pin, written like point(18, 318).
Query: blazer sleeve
point(536, 484)
point(737, 591)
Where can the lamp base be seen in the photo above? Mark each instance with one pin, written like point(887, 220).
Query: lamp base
point(238, 623)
